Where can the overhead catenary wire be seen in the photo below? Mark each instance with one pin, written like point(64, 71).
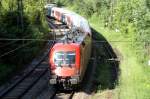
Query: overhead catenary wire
point(20, 39)
point(13, 41)
point(15, 49)
point(30, 39)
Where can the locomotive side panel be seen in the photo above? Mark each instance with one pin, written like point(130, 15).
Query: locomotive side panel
point(85, 55)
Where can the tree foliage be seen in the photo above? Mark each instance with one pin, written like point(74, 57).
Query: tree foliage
point(20, 19)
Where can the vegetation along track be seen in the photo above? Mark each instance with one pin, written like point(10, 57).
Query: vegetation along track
point(31, 76)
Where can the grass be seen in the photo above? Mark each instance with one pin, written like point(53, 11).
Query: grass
point(134, 81)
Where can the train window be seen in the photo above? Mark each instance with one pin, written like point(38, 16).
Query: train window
point(64, 58)
point(70, 57)
point(59, 57)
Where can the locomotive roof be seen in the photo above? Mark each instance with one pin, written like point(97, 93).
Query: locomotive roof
point(73, 36)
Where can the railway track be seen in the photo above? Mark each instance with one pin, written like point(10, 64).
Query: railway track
point(63, 95)
point(18, 88)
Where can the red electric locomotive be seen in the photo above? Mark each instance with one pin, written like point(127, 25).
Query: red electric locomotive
point(69, 59)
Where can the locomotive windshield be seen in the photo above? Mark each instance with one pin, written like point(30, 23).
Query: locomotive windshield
point(64, 58)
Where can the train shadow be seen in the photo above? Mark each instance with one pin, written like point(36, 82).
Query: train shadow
point(107, 70)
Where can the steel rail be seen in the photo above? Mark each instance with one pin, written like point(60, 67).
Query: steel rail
point(13, 41)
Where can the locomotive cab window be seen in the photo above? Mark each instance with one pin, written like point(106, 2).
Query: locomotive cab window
point(61, 58)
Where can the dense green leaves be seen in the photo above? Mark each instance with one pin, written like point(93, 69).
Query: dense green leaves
point(19, 20)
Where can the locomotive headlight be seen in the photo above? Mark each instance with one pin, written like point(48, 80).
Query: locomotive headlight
point(75, 79)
